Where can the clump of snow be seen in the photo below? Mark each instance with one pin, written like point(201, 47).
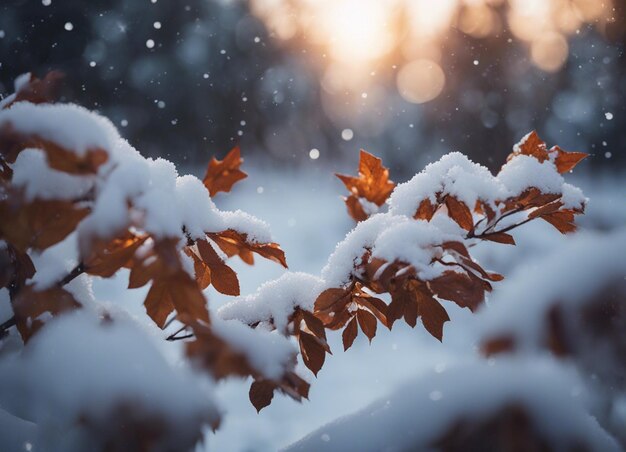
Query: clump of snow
point(275, 300)
point(71, 126)
point(341, 262)
point(413, 242)
point(32, 173)
point(258, 231)
point(572, 197)
point(269, 352)
point(453, 174)
point(524, 171)
point(420, 413)
point(198, 212)
point(79, 366)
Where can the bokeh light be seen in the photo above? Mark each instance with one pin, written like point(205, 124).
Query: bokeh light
point(353, 37)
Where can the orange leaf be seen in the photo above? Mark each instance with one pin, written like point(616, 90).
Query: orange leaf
point(372, 184)
point(460, 213)
point(367, 322)
point(30, 304)
point(314, 324)
point(106, 259)
point(533, 146)
point(221, 175)
point(499, 237)
point(425, 210)
point(39, 91)
point(223, 278)
point(355, 208)
point(566, 161)
point(236, 243)
point(349, 334)
point(460, 288)
point(59, 157)
point(433, 316)
point(332, 298)
point(313, 352)
point(562, 220)
point(159, 303)
point(38, 224)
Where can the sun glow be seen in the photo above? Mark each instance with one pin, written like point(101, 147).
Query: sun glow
point(353, 38)
point(357, 30)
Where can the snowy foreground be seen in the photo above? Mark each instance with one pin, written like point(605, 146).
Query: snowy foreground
point(414, 383)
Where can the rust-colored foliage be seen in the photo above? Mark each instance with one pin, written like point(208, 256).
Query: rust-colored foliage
point(221, 175)
point(222, 360)
point(465, 282)
point(372, 185)
point(30, 304)
point(39, 91)
point(38, 224)
point(234, 243)
point(32, 225)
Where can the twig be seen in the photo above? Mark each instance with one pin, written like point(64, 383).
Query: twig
point(76, 271)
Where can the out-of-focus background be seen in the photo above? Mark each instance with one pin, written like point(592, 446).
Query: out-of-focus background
point(294, 80)
point(301, 85)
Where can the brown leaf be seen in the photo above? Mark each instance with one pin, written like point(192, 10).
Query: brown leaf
point(498, 345)
point(566, 161)
point(367, 322)
point(261, 393)
point(460, 213)
point(106, 259)
point(332, 298)
point(15, 267)
point(499, 237)
point(236, 243)
point(355, 208)
point(349, 334)
point(425, 210)
point(223, 278)
point(214, 353)
point(221, 175)
point(533, 146)
point(376, 306)
point(159, 302)
point(313, 352)
point(433, 316)
point(372, 184)
point(38, 224)
point(59, 157)
point(463, 290)
point(29, 304)
point(201, 270)
point(562, 220)
point(546, 209)
point(314, 324)
point(38, 91)
point(400, 298)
